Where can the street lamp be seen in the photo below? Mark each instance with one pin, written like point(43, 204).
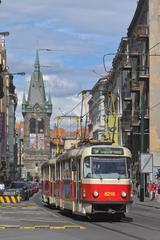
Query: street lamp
point(4, 34)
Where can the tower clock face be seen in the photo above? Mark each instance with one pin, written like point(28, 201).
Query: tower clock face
point(37, 108)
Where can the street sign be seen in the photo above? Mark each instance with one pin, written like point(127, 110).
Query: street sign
point(146, 163)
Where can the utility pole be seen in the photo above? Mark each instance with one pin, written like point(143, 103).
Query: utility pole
point(142, 148)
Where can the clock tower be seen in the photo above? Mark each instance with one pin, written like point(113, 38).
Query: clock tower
point(36, 110)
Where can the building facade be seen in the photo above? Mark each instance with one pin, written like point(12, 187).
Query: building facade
point(8, 103)
point(36, 110)
point(134, 81)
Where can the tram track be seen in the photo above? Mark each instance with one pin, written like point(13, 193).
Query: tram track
point(118, 231)
point(143, 226)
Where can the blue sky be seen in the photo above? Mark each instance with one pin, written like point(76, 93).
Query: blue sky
point(80, 32)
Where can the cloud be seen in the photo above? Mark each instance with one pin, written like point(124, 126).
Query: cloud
point(80, 32)
point(61, 87)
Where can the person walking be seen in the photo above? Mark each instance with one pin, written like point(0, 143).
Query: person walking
point(151, 190)
point(2, 187)
point(158, 191)
point(154, 190)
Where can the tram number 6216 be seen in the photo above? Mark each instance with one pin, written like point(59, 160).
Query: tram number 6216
point(109, 194)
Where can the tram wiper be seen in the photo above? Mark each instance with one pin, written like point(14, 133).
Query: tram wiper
point(119, 177)
point(100, 177)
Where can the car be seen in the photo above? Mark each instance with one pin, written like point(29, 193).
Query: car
point(21, 188)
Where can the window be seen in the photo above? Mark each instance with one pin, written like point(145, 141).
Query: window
point(32, 125)
point(87, 172)
point(40, 125)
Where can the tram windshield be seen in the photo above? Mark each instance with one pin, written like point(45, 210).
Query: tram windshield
point(105, 167)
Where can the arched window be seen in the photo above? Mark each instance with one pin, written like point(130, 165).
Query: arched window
point(32, 125)
point(40, 125)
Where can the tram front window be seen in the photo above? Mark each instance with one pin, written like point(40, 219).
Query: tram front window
point(105, 167)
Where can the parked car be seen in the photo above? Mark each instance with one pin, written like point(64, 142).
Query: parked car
point(21, 188)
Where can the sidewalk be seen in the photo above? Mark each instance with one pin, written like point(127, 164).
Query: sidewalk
point(147, 202)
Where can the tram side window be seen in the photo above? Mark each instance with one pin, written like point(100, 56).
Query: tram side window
point(52, 173)
point(87, 172)
point(58, 171)
point(66, 169)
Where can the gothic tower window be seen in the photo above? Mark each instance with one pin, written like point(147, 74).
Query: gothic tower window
point(32, 135)
point(40, 125)
point(41, 138)
point(32, 125)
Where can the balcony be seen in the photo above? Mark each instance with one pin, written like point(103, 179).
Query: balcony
point(127, 96)
point(127, 66)
point(142, 31)
point(143, 73)
point(135, 86)
point(135, 121)
point(126, 124)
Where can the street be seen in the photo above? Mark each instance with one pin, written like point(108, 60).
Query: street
point(35, 221)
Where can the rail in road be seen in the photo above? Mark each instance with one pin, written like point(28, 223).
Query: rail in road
point(141, 224)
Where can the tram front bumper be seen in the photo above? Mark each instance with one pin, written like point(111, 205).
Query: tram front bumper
point(107, 207)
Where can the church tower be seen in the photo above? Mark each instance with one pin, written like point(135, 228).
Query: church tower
point(36, 110)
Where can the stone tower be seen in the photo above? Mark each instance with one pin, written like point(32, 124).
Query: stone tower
point(36, 110)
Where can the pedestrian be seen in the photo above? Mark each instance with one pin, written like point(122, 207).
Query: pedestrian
point(154, 190)
point(158, 191)
point(151, 190)
point(2, 187)
point(137, 189)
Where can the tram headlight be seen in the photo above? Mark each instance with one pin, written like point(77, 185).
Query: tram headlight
point(123, 194)
point(95, 194)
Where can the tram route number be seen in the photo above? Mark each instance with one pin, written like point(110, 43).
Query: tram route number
point(109, 194)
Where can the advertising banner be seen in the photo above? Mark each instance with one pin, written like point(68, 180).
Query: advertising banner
point(40, 141)
point(33, 140)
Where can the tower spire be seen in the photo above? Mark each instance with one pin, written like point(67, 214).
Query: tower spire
point(36, 92)
point(36, 63)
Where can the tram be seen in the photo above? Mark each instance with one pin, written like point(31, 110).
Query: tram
point(90, 180)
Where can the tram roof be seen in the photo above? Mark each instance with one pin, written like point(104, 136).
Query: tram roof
point(80, 150)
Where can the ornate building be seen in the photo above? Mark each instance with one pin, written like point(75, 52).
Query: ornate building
point(36, 111)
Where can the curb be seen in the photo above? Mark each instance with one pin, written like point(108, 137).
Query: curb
point(146, 205)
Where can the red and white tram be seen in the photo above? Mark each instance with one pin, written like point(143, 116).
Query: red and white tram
point(89, 180)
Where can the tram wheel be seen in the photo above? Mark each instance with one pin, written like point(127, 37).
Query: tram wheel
point(91, 217)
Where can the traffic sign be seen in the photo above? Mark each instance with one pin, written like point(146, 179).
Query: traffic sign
point(146, 163)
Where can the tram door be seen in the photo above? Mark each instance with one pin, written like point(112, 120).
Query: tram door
point(77, 179)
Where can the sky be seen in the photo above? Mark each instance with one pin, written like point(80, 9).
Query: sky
point(79, 33)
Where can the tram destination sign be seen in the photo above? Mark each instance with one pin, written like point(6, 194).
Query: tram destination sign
point(107, 150)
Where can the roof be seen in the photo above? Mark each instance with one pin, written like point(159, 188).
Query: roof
point(136, 14)
point(36, 92)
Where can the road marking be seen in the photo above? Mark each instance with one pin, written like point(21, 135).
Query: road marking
point(63, 227)
point(23, 207)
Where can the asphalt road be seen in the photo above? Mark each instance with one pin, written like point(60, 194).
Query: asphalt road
point(31, 220)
